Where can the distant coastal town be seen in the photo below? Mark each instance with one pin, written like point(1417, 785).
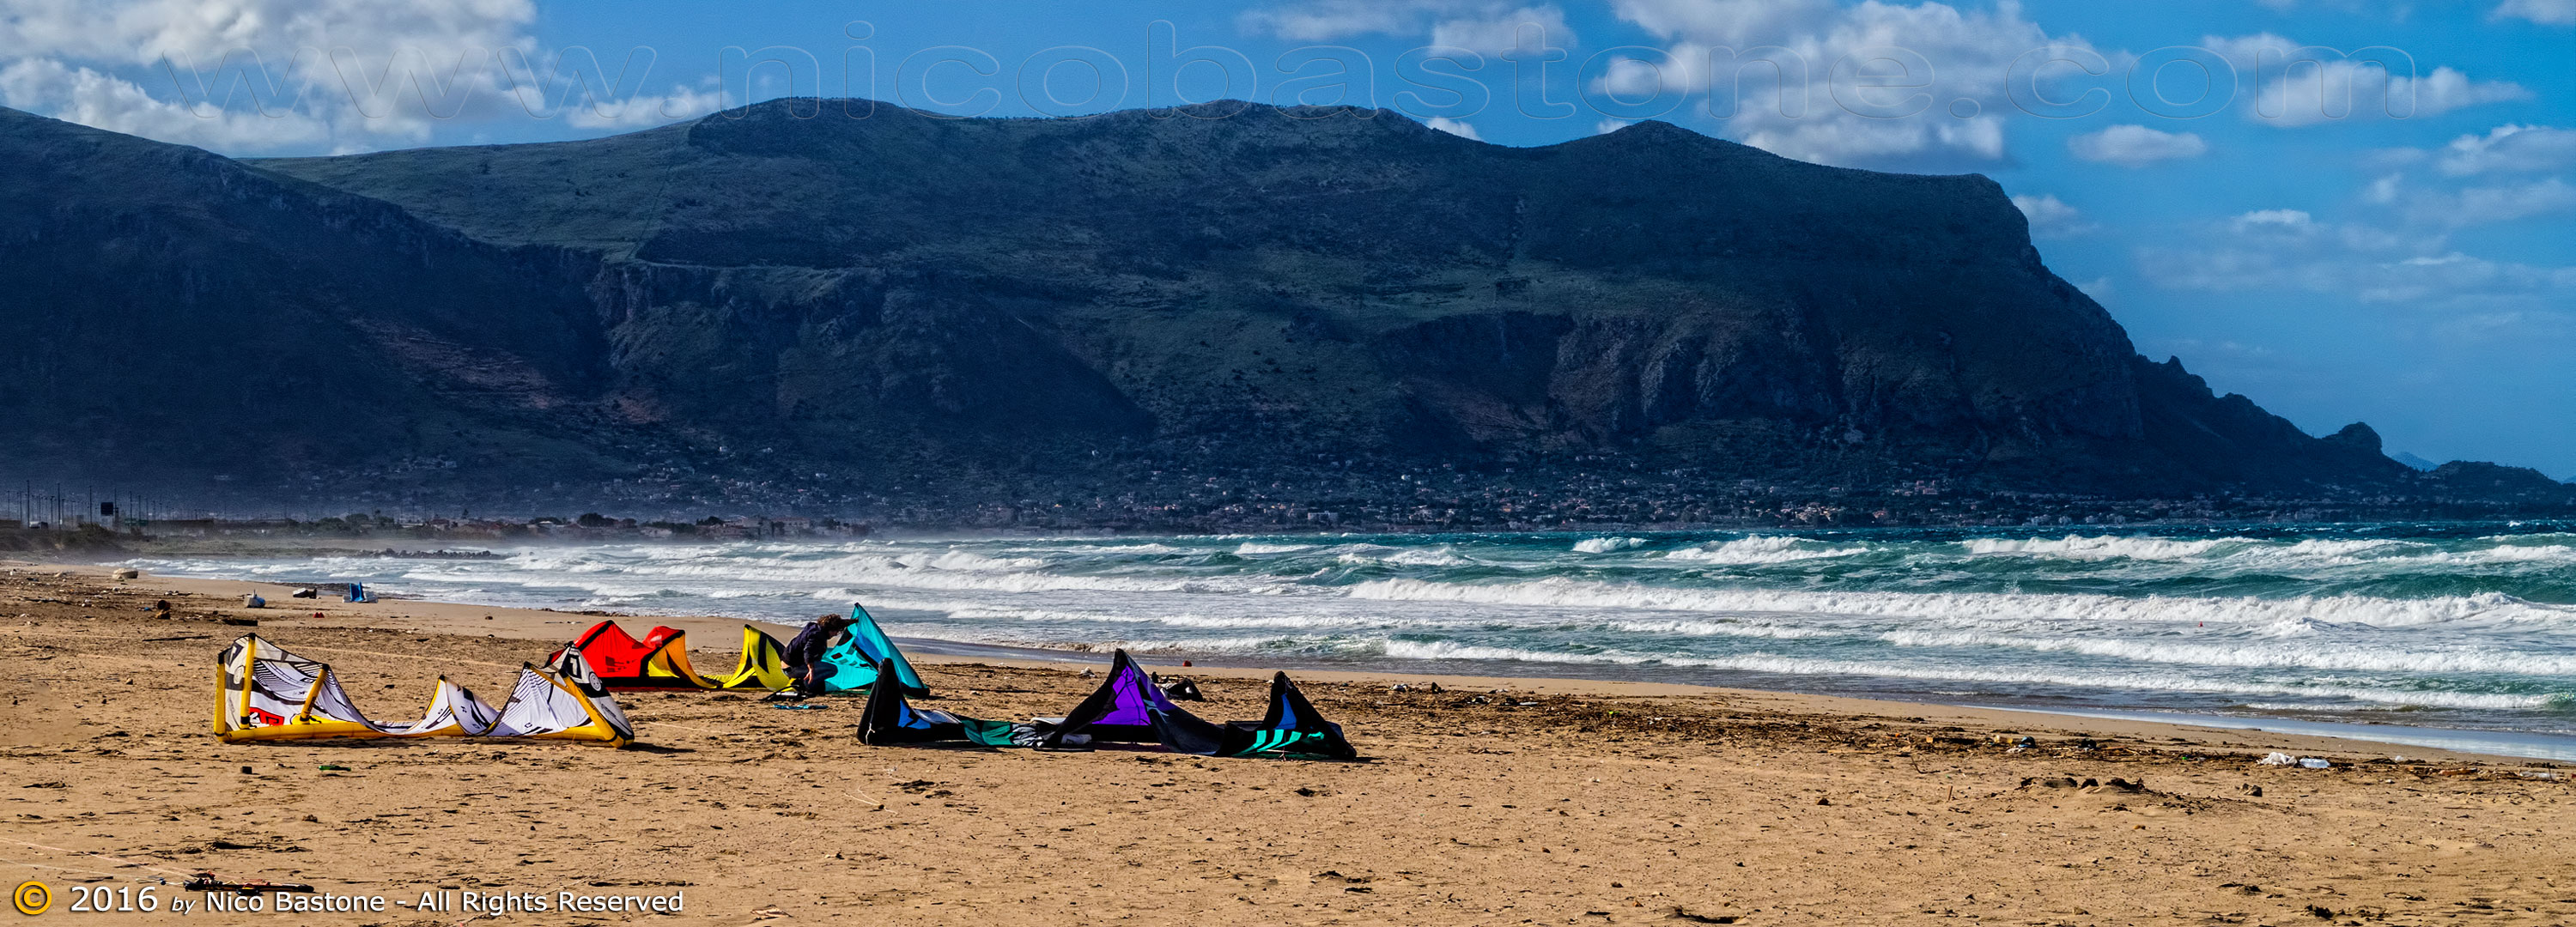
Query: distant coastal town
point(1430, 501)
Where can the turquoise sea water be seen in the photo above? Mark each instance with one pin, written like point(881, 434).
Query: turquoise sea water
point(2464, 626)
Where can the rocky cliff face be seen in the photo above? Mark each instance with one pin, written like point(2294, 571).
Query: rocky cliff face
point(901, 297)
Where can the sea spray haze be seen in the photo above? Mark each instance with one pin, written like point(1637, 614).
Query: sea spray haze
point(2421, 624)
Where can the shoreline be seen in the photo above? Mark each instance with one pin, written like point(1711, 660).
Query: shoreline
point(230, 544)
point(1557, 801)
point(716, 634)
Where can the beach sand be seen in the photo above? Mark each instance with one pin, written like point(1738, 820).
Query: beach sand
point(1548, 802)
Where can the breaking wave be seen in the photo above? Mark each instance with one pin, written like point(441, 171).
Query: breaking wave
point(1762, 549)
point(2467, 624)
point(1606, 545)
point(2103, 609)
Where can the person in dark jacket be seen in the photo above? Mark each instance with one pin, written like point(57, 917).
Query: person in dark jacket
point(804, 655)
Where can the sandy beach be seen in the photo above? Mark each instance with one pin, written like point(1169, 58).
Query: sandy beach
point(1493, 801)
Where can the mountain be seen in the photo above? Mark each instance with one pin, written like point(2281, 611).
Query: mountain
point(166, 313)
point(863, 303)
point(2413, 461)
point(2481, 480)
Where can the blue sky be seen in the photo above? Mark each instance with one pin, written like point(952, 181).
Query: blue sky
point(2243, 184)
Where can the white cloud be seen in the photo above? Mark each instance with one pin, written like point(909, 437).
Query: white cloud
point(2285, 218)
point(1494, 32)
point(1631, 78)
point(2422, 278)
point(1726, 22)
point(101, 101)
point(145, 31)
point(2385, 189)
point(2335, 88)
point(2425, 200)
point(1487, 26)
point(2365, 261)
point(1454, 127)
point(320, 75)
point(2136, 146)
point(2447, 89)
point(2399, 10)
point(1964, 119)
point(2484, 205)
point(1332, 20)
point(2509, 148)
point(1607, 126)
point(2545, 12)
point(2050, 217)
point(642, 111)
point(1960, 123)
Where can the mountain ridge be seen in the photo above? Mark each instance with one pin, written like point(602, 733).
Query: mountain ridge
point(1000, 310)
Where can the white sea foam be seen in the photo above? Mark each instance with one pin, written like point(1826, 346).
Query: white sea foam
point(974, 611)
point(1807, 666)
point(2243, 653)
point(2503, 554)
point(1763, 549)
point(2354, 547)
point(2379, 612)
point(893, 572)
point(1606, 545)
point(1131, 549)
point(1373, 554)
point(2215, 552)
point(967, 560)
point(1726, 628)
point(2107, 547)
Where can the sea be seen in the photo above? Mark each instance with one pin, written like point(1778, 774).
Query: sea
point(2446, 626)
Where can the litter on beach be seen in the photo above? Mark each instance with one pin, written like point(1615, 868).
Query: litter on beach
point(2303, 762)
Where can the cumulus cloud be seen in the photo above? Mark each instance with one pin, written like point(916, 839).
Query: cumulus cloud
point(2401, 259)
point(1454, 127)
point(1956, 121)
point(2303, 85)
point(1493, 32)
point(2491, 204)
point(102, 101)
point(2436, 198)
point(2283, 218)
point(2384, 189)
point(1635, 78)
point(2545, 12)
point(145, 31)
point(1332, 20)
point(2136, 146)
point(1487, 26)
point(256, 76)
point(683, 102)
point(2509, 149)
point(1961, 125)
point(1726, 22)
point(2426, 277)
point(2050, 217)
point(2318, 264)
